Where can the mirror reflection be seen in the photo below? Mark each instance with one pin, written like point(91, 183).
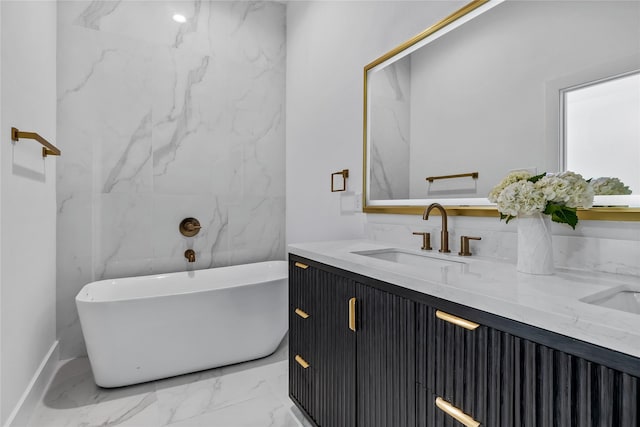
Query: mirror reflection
point(513, 88)
point(602, 133)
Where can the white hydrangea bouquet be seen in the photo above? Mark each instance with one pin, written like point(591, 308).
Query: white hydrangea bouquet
point(608, 186)
point(557, 195)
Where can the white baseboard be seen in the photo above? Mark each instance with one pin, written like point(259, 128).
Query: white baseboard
point(20, 415)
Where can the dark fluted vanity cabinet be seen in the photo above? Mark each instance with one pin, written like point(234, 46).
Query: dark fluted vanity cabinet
point(499, 379)
point(409, 349)
point(319, 337)
point(377, 356)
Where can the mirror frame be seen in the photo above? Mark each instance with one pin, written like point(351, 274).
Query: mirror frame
point(600, 214)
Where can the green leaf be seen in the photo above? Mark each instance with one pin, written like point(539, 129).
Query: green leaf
point(537, 178)
point(562, 214)
point(507, 217)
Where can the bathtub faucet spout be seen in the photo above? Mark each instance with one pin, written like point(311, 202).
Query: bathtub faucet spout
point(190, 255)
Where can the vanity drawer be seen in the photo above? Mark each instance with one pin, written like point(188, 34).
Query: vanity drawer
point(461, 362)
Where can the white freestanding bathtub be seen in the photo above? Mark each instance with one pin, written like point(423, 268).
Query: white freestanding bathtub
point(145, 328)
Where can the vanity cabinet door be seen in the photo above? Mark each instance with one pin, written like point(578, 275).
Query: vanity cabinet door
point(326, 389)
point(385, 331)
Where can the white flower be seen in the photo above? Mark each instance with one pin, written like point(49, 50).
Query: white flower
point(580, 193)
point(609, 186)
point(508, 180)
point(517, 195)
point(521, 198)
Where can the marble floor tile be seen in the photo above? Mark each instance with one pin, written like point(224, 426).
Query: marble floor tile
point(264, 411)
point(252, 394)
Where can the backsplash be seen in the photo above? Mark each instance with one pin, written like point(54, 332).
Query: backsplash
point(159, 121)
point(605, 246)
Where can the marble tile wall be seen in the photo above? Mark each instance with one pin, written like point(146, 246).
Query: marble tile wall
point(605, 246)
point(389, 136)
point(159, 121)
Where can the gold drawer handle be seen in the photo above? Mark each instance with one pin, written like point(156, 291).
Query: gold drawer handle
point(301, 313)
point(301, 361)
point(456, 413)
point(301, 265)
point(352, 314)
point(467, 324)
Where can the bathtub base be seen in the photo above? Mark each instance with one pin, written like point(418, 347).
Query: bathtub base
point(138, 338)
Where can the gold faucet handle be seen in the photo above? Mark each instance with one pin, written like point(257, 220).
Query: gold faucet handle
point(464, 245)
point(189, 227)
point(426, 240)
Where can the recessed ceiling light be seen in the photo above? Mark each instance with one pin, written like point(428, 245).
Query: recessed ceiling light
point(179, 18)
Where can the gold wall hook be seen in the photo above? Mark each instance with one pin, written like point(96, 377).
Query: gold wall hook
point(345, 174)
point(189, 227)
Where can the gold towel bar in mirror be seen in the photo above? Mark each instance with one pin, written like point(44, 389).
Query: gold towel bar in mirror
point(473, 175)
point(48, 149)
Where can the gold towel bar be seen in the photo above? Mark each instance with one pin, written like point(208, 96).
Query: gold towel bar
point(456, 413)
point(473, 175)
point(48, 149)
point(459, 321)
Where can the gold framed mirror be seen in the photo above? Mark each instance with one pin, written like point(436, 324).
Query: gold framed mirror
point(463, 125)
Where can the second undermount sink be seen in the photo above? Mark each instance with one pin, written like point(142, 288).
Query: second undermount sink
point(406, 257)
point(624, 298)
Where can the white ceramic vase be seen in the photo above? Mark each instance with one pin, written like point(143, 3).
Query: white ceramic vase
point(535, 249)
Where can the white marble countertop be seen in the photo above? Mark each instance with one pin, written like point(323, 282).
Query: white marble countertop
point(548, 302)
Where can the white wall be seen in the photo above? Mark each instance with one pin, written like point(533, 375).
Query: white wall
point(27, 195)
point(324, 134)
point(484, 83)
point(328, 45)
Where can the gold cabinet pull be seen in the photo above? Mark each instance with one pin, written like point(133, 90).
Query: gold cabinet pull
point(301, 361)
point(467, 324)
point(301, 313)
point(301, 265)
point(456, 413)
point(352, 314)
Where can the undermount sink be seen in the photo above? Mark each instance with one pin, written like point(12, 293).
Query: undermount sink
point(406, 257)
point(624, 298)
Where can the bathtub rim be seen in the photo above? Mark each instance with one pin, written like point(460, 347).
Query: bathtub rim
point(82, 296)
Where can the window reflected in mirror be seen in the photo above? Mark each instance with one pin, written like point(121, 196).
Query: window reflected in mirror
point(602, 133)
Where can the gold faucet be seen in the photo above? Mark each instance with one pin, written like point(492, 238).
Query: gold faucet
point(190, 255)
point(444, 235)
